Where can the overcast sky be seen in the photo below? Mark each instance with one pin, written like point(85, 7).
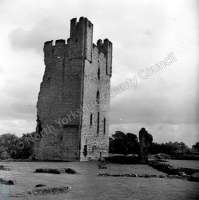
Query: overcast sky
point(143, 33)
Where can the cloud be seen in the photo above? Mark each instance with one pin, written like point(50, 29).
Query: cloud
point(157, 100)
point(17, 125)
point(18, 98)
point(3, 1)
point(1, 69)
point(152, 110)
point(20, 89)
point(33, 39)
point(142, 32)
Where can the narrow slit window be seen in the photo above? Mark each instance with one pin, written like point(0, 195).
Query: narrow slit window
point(85, 150)
point(98, 116)
point(104, 125)
point(91, 119)
point(98, 73)
point(98, 97)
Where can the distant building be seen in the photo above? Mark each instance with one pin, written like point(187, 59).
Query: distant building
point(73, 104)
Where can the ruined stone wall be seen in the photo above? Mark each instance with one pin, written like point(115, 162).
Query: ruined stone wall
point(60, 94)
point(95, 132)
point(145, 140)
point(70, 82)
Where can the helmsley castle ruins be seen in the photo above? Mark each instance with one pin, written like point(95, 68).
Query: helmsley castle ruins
point(73, 104)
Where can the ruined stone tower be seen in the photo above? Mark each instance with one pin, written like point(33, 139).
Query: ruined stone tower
point(145, 140)
point(73, 102)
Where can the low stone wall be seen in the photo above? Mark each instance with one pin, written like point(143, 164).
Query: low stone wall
point(6, 182)
point(45, 191)
point(56, 171)
point(170, 169)
point(146, 176)
point(5, 167)
point(195, 177)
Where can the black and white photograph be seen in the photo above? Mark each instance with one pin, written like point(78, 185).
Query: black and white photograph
point(99, 99)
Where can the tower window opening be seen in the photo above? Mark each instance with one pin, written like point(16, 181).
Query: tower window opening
point(98, 73)
point(85, 150)
point(91, 119)
point(98, 120)
point(104, 125)
point(98, 97)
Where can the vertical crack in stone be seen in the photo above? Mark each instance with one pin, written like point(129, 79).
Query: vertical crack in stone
point(39, 126)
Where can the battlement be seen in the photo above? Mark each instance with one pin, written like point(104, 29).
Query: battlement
point(79, 29)
point(81, 38)
point(106, 46)
point(80, 44)
point(48, 45)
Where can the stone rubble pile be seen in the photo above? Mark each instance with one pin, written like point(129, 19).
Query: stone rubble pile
point(53, 190)
point(5, 182)
point(56, 171)
point(170, 169)
point(146, 176)
point(186, 173)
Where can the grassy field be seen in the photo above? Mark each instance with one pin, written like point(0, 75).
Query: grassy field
point(185, 163)
point(88, 186)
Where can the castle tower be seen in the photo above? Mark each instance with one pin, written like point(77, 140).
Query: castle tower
point(73, 103)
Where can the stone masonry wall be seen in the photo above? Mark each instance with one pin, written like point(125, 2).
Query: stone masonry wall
point(96, 80)
point(71, 81)
point(145, 140)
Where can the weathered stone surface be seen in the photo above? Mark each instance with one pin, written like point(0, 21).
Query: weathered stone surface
point(56, 171)
point(53, 190)
point(70, 171)
point(188, 171)
point(195, 177)
point(180, 173)
point(173, 172)
point(6, 168)
point(5, 182)
point(162, 176)
point(147, 176)
point(73, 103)
point(39, 185)
point(154, 176)
point(51, 171)
point(145, 140)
